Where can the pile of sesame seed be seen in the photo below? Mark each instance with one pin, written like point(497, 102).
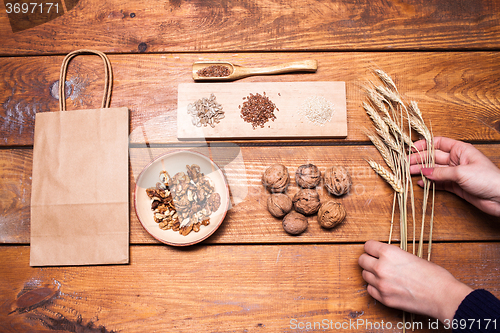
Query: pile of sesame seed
point(317, 110)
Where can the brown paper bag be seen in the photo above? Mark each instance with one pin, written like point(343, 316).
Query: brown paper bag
point(80, 193)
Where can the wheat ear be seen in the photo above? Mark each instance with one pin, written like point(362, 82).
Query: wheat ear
point(386, 79)
point(383, 150)
point(390, 178)
point(389, 140)
point(375, 117)
point(397, 131)
point(389, 95)
point(420, 127)
point(377, 100)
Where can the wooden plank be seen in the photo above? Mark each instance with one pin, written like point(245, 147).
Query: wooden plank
point(15, 194)
point(288, 98)
point(217, 289)
point(368, 205)
point(455, 91)
point(184, 26)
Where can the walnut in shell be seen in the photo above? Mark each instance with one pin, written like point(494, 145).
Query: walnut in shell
point(276, 178)
point(308, 176)
point(294, 223)
point(330, 214)
point(306, 201)
point(337, 180)
point(279, 204)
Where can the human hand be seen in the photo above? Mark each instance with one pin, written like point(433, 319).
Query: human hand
point(404, 281)
point(463, 170)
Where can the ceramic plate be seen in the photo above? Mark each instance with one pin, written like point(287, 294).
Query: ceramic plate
point(174, 162)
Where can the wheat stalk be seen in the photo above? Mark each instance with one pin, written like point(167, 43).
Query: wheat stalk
point(390, 115)
point(394, 139)
point(392, 216)
point(390, 140)
point(431, 163)
point(429, 248)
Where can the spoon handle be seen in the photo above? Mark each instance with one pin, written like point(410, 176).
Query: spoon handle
point(295, 66)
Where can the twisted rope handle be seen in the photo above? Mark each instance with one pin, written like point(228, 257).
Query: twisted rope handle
point(108, 78)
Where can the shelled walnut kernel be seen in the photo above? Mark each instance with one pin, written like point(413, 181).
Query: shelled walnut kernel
point(184, 202)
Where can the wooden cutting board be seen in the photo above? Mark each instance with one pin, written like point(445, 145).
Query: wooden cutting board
point(289, 98)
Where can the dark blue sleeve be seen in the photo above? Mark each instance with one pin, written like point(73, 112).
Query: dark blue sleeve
point(479, 312)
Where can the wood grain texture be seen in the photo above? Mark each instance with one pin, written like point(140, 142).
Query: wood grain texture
point(250, 276)
point(218, 288)
point(457, 92)
point(368, 205)
point(262, 25)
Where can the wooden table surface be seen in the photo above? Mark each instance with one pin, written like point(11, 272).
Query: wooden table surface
point(250, 276)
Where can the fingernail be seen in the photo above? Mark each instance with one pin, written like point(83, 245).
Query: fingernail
point(427, 171)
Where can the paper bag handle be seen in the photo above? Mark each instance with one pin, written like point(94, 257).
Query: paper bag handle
point(108, 78)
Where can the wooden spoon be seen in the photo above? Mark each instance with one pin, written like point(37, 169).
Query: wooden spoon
point(238, 72)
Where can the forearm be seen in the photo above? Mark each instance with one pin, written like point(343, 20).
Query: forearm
point(449, 300)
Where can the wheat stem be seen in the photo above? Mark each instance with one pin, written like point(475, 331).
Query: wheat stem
point(392, 217)
point(431, 223)
point(432, 164)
